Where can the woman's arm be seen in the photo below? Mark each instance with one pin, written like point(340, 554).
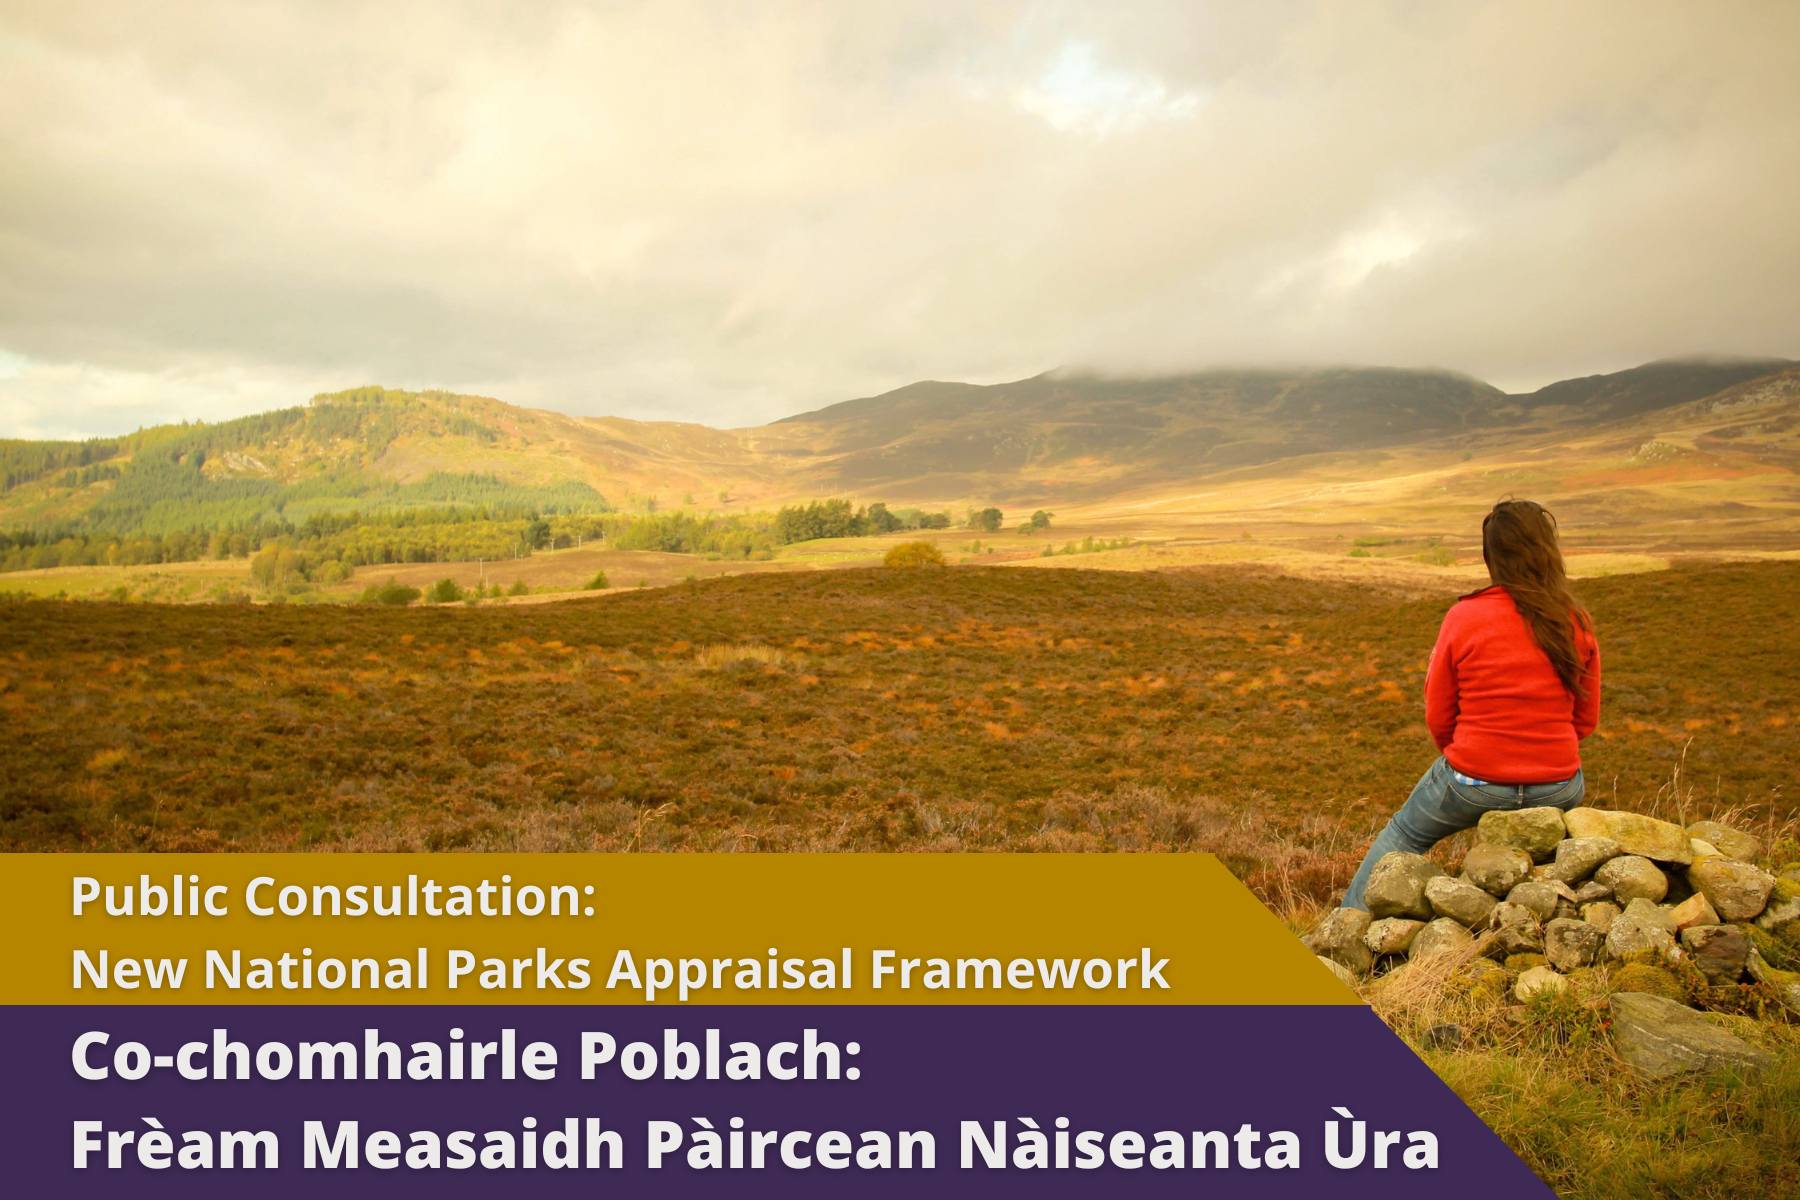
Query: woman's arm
point(1587, 709)
point(1440, 689)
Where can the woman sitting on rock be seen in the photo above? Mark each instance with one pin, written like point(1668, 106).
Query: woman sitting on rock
point(1513, 687)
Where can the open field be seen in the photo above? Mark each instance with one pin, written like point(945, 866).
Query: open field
point(1273, 719)
point(1111, 538)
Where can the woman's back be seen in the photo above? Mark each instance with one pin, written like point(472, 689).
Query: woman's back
point(1496, 706)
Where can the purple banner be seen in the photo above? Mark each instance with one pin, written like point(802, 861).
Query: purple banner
point(904, 1072)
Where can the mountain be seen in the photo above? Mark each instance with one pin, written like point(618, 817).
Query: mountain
point(1064, 437)
point(1073, 434)
point(1661, 384)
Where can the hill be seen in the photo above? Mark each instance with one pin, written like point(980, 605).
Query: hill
point(1635, 453)
point(1065, 436)
point(1661, 384)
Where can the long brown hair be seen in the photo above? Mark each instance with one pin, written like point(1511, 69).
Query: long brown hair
point(1518, 542)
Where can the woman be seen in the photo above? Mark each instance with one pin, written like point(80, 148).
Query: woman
point(1513, 687)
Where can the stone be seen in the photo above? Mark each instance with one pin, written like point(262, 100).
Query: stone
point(1577, 858)
point(1535, 895)
point(1632, 876)
point(1507, 913)
point(1518, 964)
point(1459, 900)
point(1443, 1037)
point(1570, 945)
point(1704, 849)
point(1536, 831)
point(1662, 1039)
point(1720, 952)
point(1591, 891)
point(1601, 914)
point(1781, 917)
point(1738, 891)
point(1341, 971)
point(1339, 937)
point(1539, 980)
point(1642, 930)
point(1695, 910)
point(1391, 935)
point(1732, 843)
point(1495, 869)
point(1442, 936)
point(1515, 937)
point(1648, 837)
point(1397, 886)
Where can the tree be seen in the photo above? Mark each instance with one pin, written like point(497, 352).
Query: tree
point(880, 519)
point(597, 583)
point(444, 591)
point(537, 534)
point(1040, 519)
point(914, 554)
point(987, 520)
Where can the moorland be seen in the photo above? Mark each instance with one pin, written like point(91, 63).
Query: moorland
point(1271, 718)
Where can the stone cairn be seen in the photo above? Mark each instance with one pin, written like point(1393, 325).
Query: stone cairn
point(1551, 894)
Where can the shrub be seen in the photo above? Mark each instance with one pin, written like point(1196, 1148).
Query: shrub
point(333, 571)
point(396, 594)
point(914, 554)
point(519, 588)
point(444, 591)
point(597, 583)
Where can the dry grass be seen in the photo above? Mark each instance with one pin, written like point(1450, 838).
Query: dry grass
point(725, 657)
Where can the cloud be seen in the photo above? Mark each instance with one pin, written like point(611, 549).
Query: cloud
point(729, 214)
point(1077, 93)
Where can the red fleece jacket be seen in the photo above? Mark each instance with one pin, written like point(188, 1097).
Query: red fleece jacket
point(1493, 701)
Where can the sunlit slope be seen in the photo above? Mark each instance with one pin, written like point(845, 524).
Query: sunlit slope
point(1718, 472)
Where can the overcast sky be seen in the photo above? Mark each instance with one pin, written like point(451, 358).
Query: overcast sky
point(731, 212)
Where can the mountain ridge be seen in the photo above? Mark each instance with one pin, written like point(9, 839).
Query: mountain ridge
point(1065, 436)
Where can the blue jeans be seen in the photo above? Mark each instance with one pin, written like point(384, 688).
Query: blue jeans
point(1440, 806)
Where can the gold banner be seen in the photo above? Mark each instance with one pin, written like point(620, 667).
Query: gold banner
point(632, 929)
